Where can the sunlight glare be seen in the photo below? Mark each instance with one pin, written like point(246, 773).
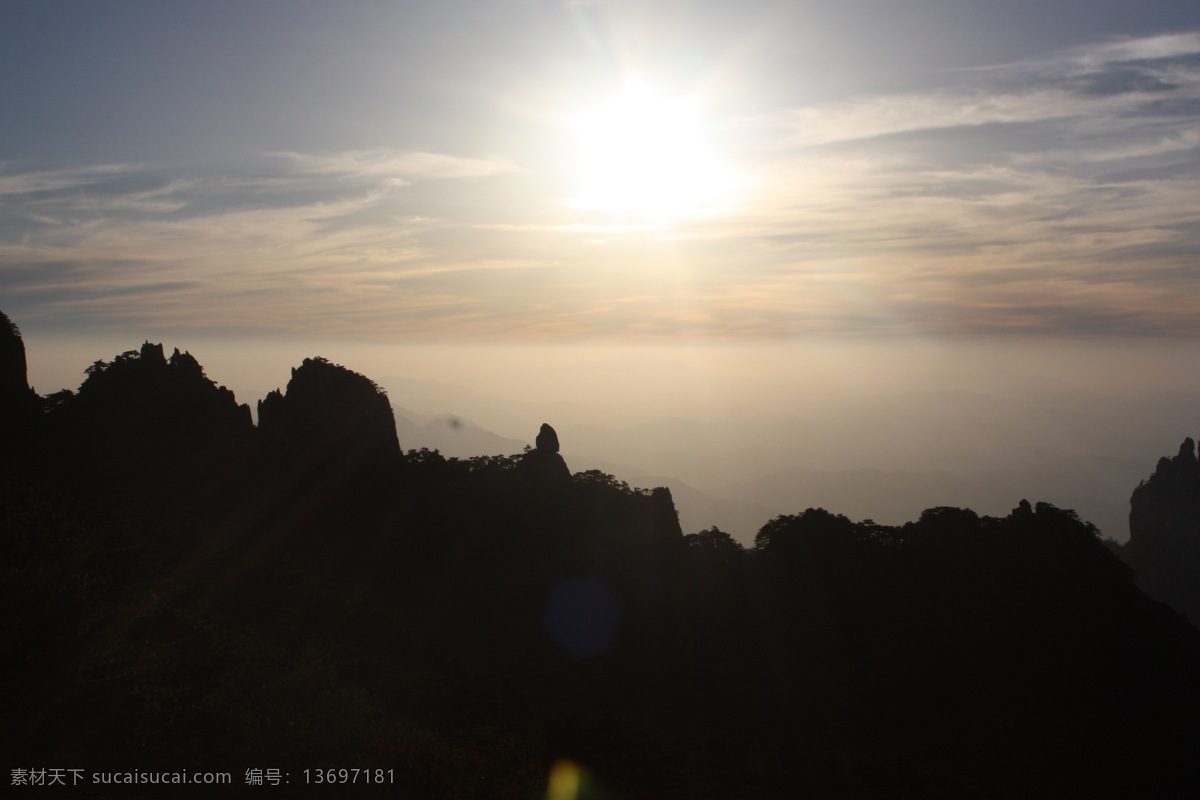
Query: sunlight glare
point(643, 152)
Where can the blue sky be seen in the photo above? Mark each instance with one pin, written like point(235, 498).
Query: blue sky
point(398, 172)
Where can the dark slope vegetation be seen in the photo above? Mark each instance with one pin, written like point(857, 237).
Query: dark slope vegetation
point(183, 590)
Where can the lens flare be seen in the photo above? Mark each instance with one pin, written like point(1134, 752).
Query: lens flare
point(565, 776)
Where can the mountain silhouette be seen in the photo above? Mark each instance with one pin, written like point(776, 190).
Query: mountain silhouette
point(147, 420)
point(180, 586)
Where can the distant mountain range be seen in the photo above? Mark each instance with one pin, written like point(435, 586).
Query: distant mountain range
point(1098, 487)
point(453, 436)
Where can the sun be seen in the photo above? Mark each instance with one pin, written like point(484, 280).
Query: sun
point(644, 153)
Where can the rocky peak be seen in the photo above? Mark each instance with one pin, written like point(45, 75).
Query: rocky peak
point(547, 439)
point(543, 463)
point(152, 355)
point(330, 412)
point(185, 364)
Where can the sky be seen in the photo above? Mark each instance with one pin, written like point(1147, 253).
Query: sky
point(374, 181)
point(391, 170)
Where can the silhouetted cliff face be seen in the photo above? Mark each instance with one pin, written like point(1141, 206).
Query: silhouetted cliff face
point(329, 413)
point(18, 403)
point(1164, 532)
point(543, 463)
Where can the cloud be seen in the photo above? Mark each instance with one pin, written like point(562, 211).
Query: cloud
point(867, 118)
point(1145, 49)
point(402, 165)
point(13, 182)
point(574, 227)
point(1107, 80)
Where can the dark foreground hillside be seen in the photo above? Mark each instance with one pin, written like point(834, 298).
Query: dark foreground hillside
point(183, 590)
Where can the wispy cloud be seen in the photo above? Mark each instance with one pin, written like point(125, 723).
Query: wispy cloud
point(321, 242)
point(1107, 81)
point(867, 118)
point(13, 182)
point(1129, 49)
point(403, 165)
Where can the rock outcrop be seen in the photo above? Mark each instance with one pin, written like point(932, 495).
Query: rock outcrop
point(1164, 532)
point(547, 439)
point(329, 415)
point(543, 463)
